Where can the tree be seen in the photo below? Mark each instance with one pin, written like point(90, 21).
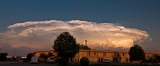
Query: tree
point(84, 47)
point(3, 56)
point(136, 53)
point(66, 46)
point(157, 57)
point(63, 61)
point(43, 56)
point(50, 54)
point(84, 61)
point(29, 56)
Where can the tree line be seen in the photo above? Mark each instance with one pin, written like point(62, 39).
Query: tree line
point(3, 56)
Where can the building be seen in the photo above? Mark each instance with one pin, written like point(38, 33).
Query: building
point(149, 56)
point(38, 53)
point(98, 55)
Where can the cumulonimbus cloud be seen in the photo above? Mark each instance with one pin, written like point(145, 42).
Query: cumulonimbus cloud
point(41, 34)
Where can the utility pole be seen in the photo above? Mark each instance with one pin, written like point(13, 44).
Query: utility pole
point(14, 53)
point(86, 42)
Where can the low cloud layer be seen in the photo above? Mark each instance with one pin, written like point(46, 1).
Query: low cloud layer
point(40, 35)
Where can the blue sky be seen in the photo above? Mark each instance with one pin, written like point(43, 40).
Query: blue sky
point(139, 14)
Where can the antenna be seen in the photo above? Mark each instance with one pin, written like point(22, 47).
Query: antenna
point(85, 42)
point(14, 53)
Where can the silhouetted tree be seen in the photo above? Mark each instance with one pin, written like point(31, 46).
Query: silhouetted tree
point(3, 56)
point(84, 47)
point(50, 54)
point(66, 45)
point(157, 57)
point(43, 56)
point(136, 53)
point(29, 56)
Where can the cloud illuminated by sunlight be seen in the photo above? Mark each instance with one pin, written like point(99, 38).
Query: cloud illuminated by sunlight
point(41, 34)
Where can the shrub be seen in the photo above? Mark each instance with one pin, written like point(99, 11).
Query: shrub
point(63, 61)
point(84, 61)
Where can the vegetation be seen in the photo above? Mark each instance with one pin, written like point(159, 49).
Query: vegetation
point(50, 54)
point(84, 61)
point(84, 47)
point(109, 65)
point(63, 61)
point(157, 57)
point(66, 46)
point(43, 56)
point(3, 56)
point(29, 56)
point(136, 53)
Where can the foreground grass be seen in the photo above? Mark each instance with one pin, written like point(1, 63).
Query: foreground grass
point(113, 65)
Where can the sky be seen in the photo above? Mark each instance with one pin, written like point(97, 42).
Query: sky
point(33, 25)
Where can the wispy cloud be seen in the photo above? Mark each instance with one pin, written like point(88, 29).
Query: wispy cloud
point(41, 34)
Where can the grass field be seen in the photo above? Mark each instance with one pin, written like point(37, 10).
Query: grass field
point(116, 64)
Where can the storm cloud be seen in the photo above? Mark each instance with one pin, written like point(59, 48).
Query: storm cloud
point(40, 35)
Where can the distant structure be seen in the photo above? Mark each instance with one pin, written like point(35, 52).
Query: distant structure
point(15, 53)
point(85, 42)
point(119, 56)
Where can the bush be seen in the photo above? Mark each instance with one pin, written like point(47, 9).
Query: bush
point(63, 61)
point(84, 61)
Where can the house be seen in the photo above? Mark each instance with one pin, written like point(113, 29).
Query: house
point(38, 53)
point(98, 55)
